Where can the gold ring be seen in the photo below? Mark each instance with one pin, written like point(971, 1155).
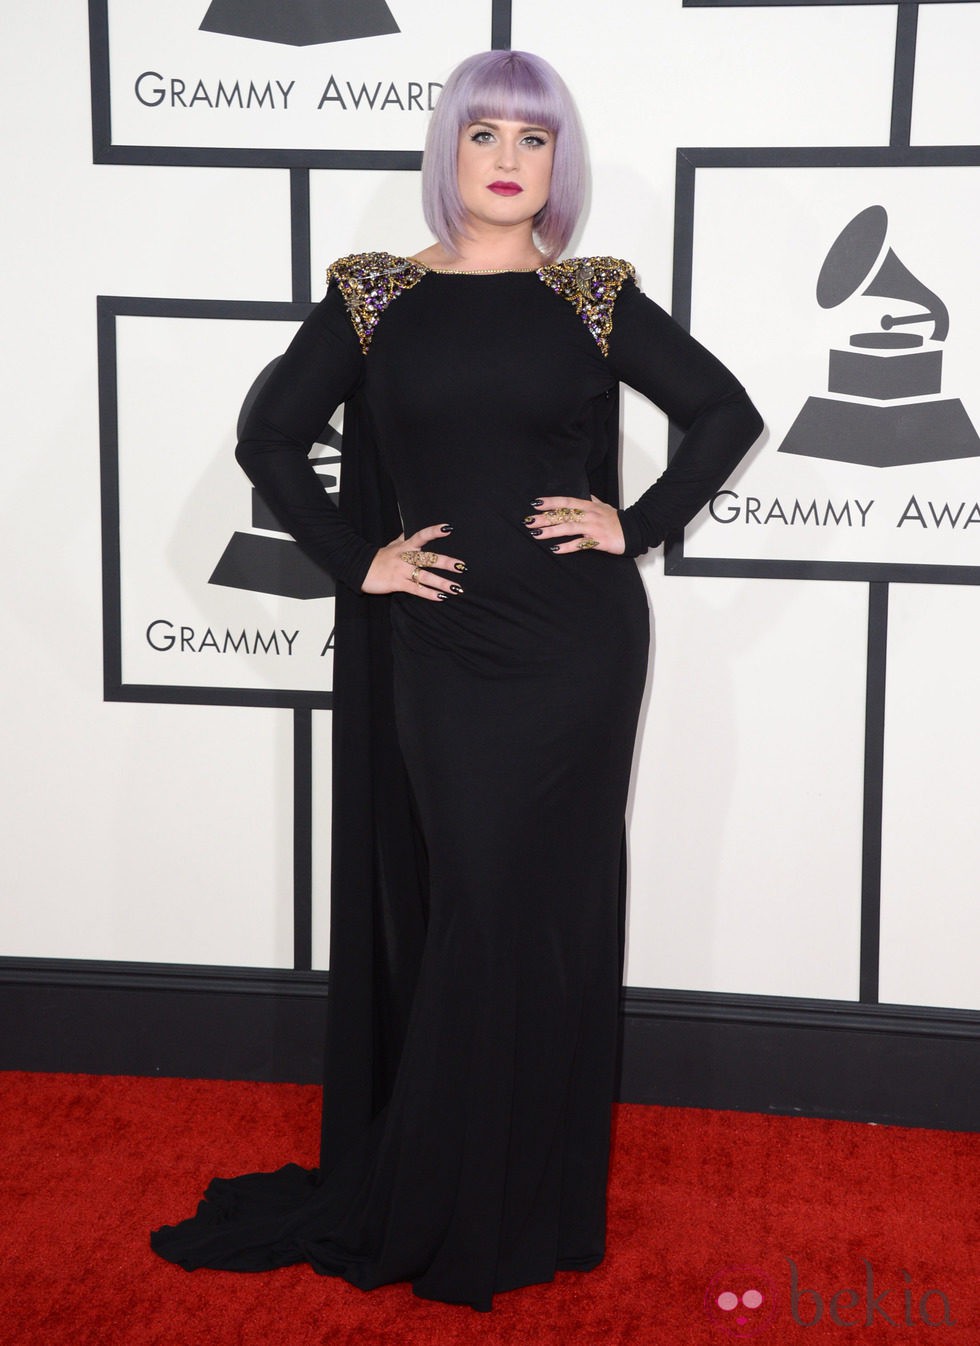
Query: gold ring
point(586, 542)
point(415, 575)
point(418, 558)
point(564, 514)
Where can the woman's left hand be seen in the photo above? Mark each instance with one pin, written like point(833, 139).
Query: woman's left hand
point(593, 523)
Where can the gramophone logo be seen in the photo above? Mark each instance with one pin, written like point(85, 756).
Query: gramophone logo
point(884, 406)
point(299, 23)
point(263, 561)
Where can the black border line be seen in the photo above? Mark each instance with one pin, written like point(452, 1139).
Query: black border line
point(811, 4)
point(689, 160)
point(399, 161)
point(303, 839)
point(99, 78)
point(299, 231)
point(109, 493)
point(300, 249)
point(104, 151)
point(903, 79)
point(108, 309)
point(832, 156)
point(874, 775)
point(500, 25)
point(154, 306)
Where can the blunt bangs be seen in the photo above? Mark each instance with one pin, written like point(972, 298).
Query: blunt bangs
point(505, 86)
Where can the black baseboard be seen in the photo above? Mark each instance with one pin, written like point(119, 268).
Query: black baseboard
point(897, 1064)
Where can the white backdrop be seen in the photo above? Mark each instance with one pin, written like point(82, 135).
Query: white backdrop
point(163, 833)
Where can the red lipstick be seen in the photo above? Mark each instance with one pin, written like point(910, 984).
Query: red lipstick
point(506, 188)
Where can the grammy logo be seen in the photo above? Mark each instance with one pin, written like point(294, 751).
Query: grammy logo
point(299, 23)
point(885, 406)
point(261, 561)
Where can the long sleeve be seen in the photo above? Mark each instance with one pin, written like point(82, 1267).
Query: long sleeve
point(321, 368)
point(653, 354)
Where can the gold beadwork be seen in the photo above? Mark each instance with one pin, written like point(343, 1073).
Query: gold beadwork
point(586, 542)
point(584, 276)
point(591, 285)
point(369, 281)
point(488, 271)
point(564, 514)
point(418, 558)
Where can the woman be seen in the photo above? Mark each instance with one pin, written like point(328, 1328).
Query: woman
point(489, 667)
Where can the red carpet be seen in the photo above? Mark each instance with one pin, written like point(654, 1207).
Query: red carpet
point(697, 1199)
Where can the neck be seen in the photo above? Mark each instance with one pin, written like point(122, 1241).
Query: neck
point(488, 250)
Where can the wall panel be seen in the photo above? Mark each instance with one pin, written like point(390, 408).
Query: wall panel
point(930, 917)
point(745, 826)
point(946, 110)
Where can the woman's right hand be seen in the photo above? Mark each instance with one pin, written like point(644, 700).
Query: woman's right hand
point(391, 573)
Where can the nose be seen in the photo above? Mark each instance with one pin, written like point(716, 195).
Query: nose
point(506, 157)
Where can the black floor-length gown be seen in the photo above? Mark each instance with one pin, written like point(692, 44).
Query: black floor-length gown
point(482, 751)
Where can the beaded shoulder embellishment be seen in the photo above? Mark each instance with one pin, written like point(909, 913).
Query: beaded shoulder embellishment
point(369, 281)
point(591, 285)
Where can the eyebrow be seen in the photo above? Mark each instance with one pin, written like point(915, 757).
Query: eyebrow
point(495, 126)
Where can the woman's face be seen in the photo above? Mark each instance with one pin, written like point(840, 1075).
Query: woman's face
point(504, 170)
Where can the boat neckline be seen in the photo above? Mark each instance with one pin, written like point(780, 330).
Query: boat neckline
point(489, 271)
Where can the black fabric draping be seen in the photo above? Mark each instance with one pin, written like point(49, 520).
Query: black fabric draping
point(481, 756)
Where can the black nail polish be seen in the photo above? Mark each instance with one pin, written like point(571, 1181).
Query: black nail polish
point(459, 565)
point(441, 597)
point(555, 547)
point(537, 503)
point(456, 588)
point(446, 528)
point(535, 532)
point(529, 518)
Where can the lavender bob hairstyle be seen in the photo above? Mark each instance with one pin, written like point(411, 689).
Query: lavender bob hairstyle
point(511, 86)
